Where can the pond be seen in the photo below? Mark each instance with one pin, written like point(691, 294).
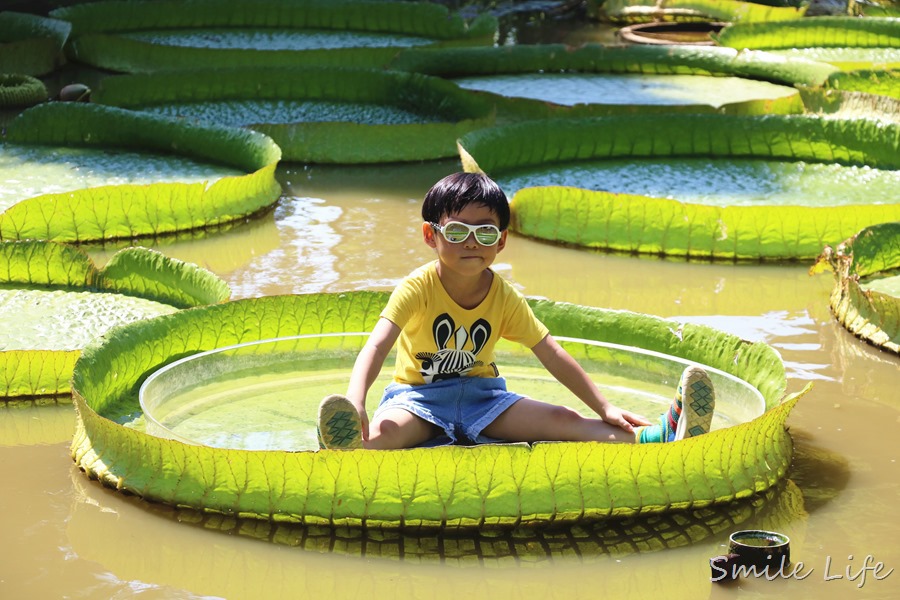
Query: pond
point(66, 536)
point(70, 536)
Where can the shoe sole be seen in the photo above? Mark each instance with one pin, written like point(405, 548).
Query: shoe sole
point(338, 425)
point(697, 405)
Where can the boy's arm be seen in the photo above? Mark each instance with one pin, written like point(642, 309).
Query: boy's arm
point(568, 372)
point(368, 365)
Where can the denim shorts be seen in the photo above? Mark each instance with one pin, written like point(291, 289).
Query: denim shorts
point(461, 406)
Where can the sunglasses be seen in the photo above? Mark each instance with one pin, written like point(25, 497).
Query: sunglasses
point(456, 232)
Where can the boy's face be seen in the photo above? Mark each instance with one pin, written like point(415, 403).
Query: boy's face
point(469, 256)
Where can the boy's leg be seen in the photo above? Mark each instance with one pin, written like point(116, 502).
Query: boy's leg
point(532, 421)
point(398, 428)
point(338, 424)
point(339, 427)
point(690, 413)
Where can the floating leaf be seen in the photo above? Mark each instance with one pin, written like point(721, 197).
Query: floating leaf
point(55, 301)
point(31, 44)
point(101, 32)
point(849, 43)
point(644, 11)
point(128, 211)
point(458, 487)
point(560, 61)
point(315, 114)
point(667, 226)
point(866, 294)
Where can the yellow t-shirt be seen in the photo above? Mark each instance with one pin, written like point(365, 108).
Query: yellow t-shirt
point(439, 339)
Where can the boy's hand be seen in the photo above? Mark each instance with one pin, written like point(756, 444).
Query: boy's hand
point(624, 419)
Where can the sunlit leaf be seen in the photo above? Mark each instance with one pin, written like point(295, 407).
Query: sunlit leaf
point(634, 60)
point(483, 486)
point(643, 11)
point(668, 226)
point(128, 211)
point(54, 301)
point(102, 32)
point(866, 294)
point(314, 114)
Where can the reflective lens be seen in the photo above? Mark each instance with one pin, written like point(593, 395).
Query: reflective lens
point(456, 233)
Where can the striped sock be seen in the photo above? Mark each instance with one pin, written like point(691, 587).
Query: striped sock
point(668, 424)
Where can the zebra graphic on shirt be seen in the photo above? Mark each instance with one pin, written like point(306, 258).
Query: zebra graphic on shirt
point(448, 362)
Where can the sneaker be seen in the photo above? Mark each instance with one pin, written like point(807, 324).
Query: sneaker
point(698, 401)
point(339, 426)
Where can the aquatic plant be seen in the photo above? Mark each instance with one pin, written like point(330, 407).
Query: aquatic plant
point(127, 211)
point(333, 115)
point(108, 34)
point(645, 11)
point(866, 293)
point(55, 300)
point(549, 59)
point(451, 487)
point(31, 44)
point(850, 43)
point(663, 226)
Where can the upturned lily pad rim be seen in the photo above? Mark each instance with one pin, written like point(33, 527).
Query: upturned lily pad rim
point(455, 111)
point(156, 425)
point(659, 226)
point(134, 271)
point(131, 211)
point(491, 486)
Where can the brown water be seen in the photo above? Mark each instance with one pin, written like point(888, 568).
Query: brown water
point(67, 537)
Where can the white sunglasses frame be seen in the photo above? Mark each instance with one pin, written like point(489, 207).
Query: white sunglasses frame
point(472, 231)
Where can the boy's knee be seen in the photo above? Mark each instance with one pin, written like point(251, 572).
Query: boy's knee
point(564, 415)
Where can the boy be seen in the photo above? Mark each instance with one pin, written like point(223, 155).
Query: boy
point(447, 316)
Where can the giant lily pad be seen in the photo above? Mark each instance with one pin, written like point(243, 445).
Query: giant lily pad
point(570, 169)
point(555, 80)
point(866, 295)
point(31, 44)
point(315, 114)
point(55, 300)
point(644, 11)
point(146, 36)
point(235, 177)
point(459, 487)
point(849, 43)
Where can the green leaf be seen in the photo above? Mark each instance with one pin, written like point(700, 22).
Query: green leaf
point(35, 373)
point(642, 11)
point(484, 486)
point(150, 274)
point(866, 294)
point(828, 32)
point(54, 295)
point(31, 44)
point(95, 27)
point(127, 211)
point(454, 111)
point(660, 226)
point(596, 58)
point(880, 82)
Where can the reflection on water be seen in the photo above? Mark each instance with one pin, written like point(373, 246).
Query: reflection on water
point(67, 536)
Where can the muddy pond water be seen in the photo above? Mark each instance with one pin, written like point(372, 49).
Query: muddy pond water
point(349, 228)
point(68, 537)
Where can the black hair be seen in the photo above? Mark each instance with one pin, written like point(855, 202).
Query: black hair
point(454, 192)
